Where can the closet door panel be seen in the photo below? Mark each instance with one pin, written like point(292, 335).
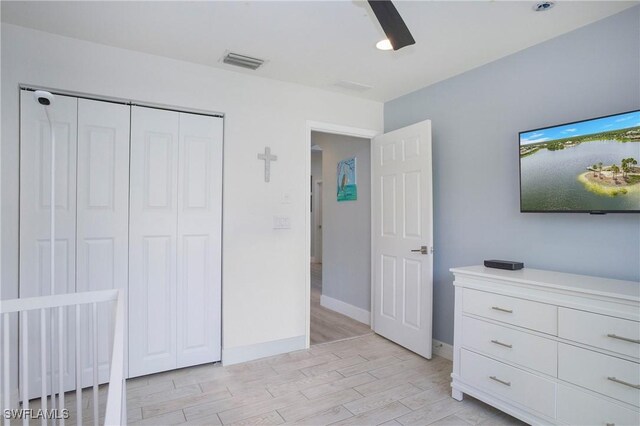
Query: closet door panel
point(102, 219)
point(35, 251)
point(199, 239)
point(152, 240)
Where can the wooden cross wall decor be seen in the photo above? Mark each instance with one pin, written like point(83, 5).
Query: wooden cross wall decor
point(267, 158)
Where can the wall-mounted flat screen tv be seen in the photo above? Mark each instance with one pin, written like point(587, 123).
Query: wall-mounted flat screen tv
point(586, 166)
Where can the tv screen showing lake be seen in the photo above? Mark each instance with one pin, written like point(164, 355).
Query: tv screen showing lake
point(587, 166)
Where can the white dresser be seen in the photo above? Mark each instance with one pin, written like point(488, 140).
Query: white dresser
point(548, 347)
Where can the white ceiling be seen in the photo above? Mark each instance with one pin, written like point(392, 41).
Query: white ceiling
point(318, 43)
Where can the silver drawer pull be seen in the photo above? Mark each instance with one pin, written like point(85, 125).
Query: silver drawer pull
point(609, 424)
point(497, 308)
point(500, 381)
point(506, 345)
point(626, 339)
point(622, 382)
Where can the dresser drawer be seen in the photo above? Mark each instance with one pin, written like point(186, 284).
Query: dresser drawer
point(580, 408)
point(595, 371)
point(614, 334)
point(524, 313)
point(519, 347)
point(508, 382)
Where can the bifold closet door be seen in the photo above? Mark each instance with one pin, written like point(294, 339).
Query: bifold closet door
point(152, 240)
point(199, 239)
point(175, 240)
point(35, 192)
point(102, 220)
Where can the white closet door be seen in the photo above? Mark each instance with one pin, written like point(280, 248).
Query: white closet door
point(152, 240)
point(199, 239)
point(102, 219)
point(35, 172)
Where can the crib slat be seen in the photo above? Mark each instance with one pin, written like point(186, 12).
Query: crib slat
point(61, 359)
point(52, 359)
point(43, 363)
point(24, 380)
point(78, 370)
point(5, 368)
point(95, 363)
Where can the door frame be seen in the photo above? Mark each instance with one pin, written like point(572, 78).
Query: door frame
point(336, 129)
point(317, 207)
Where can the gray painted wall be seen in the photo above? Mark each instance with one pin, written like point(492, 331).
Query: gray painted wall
point(346, 225)
point(476, 117)
point(316, 175)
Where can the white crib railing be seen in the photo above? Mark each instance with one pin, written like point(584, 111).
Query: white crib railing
point(50, 308)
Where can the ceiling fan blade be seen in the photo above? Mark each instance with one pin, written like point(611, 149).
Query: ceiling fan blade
point(392, 23)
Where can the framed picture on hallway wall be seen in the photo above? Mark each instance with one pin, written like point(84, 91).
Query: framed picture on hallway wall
point(347, 189)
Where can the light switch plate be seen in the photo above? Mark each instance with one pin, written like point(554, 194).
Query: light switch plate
point(281, 222)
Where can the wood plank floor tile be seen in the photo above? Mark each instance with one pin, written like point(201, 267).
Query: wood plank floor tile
point(381, 399)
point(428, 381)
point(380, 385)
point(476, 412)
point(502, 419)
point(211, 420)
point(364, 380)
point(398, 367)
point(390, 423)
point(304, 363)
point(431, 413)
point(270, 418)
point(247, 387)
point(311, 407)
point(425, 398)
point(172, 418)
point(338, 385)
point(305, 383)
point(377, 416)
point(452, 420)
point(156, 409)
point(141, 391)
point(163, 396)
point(327, 417)
point(262, 407)
point(333, 365)
point(367, 366)
point(210, 409)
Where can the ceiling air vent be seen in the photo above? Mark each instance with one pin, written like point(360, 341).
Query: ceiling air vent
point(242, 61)
point(352, 85)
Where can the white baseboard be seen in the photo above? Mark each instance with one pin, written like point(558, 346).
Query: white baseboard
point(442, 349)
point(343, 308)
point(261, 350)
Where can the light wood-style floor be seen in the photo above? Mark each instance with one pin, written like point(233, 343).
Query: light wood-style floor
point(328, 325)
point(362, 381)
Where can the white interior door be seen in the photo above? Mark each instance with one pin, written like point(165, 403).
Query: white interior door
point(199, 240)
point(152, 240)
point(35, 181)
point(102, 219)
point(402, 237)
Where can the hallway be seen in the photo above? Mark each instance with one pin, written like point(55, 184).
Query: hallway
point(328, 325)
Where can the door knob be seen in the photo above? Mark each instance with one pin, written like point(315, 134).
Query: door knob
point(422, 250)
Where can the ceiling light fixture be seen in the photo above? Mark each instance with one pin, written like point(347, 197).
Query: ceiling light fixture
point(542, 6)
point(384, 44)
